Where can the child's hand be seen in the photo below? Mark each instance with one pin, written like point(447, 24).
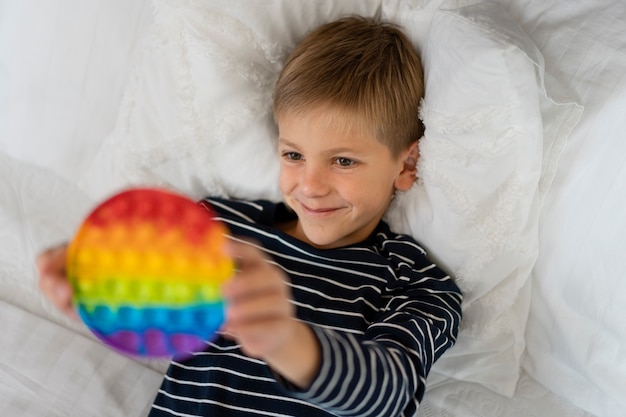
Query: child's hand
point(262, 319)
point(53, 281)
point(259, 314)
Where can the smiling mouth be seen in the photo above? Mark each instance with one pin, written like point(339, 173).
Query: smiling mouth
point(318, 211)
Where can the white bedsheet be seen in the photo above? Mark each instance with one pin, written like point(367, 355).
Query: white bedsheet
point(48, 370)
point(51, 366)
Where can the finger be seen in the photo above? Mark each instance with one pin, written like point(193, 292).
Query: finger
point(267, 328)
point(52, 260)
point(269, 306)
point(255, 273)
point(52, 279)
point(261, 337)
point(244, 251)
point(57, 289)
point(51, 268)
point(249, 283)
point(59, 292)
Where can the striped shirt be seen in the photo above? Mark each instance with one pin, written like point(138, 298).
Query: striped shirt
point(382, 312)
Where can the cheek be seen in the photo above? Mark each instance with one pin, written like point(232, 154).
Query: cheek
point(369, 192)
point(377, 183)
point(285, 179)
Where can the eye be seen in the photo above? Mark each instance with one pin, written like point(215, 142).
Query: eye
point(292, 156)
point(345, 162)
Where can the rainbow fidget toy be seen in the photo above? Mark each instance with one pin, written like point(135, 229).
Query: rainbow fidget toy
point(146, 266)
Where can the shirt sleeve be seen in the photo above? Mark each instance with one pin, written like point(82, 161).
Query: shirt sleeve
point(383, 373)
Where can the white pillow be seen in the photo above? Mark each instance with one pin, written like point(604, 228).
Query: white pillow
point(490, 149)
point(196, 115)
point(576, 333)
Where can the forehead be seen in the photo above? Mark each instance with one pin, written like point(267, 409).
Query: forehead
point(329, 136)
point(339, 122)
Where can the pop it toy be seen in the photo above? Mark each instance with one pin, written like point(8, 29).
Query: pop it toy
point(146, 266)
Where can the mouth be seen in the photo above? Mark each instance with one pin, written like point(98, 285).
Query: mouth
point(318, 211)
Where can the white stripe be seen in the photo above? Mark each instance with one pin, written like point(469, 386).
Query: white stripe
point(172, 412)
point(331, 281)
point(365, 285)
point(225, 370)
point(344, 364)
point(330, 310)
point(350, 401)
point(325, 348)
point(340, 329)
point(244, 392)
point(371, 390)
point(410, 264)
point(234, 355)
point(308, 254)
point(233, 211)
point(335, 376)
point(224, 405)
point(383, 383)
point(330, 298)
point(389, 241)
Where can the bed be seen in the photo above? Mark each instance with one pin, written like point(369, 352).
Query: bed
point(520, 195)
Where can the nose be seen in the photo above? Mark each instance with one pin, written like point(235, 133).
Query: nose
point(314, 181)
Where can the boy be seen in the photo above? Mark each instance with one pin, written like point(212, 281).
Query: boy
point(330, 313)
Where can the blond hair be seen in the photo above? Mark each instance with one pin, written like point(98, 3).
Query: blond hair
point(363, 67)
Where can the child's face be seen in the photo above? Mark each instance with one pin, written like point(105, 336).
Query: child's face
point(337, 179)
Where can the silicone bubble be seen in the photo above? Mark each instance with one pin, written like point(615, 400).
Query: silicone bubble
point(146, 267)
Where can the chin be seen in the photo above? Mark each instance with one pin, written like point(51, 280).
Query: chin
point(318, 240)
point(326, 241)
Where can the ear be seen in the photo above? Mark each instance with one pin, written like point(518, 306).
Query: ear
point(404, 181)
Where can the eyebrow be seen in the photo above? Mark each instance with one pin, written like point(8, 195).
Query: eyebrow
point(338, 150)
point(284, 141)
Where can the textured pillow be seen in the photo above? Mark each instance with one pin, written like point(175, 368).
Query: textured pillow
point(489, 152)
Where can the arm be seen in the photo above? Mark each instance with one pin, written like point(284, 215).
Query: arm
point(380, 373)
point(261, 318)
point(53, 281)
point(383, 372)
